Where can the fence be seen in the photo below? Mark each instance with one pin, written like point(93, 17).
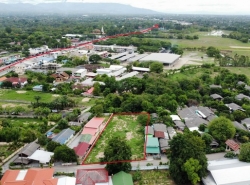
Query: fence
point(161, 167)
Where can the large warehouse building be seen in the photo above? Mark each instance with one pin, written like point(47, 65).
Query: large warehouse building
point(165, 58)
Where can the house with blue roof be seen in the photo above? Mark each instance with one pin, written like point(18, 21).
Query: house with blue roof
point(64, 136)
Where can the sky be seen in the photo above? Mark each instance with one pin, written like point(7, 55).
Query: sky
point(172, 6)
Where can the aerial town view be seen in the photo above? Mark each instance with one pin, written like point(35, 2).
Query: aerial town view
point(112, 92)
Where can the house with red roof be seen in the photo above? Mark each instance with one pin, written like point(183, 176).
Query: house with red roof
point(93, 127)
point(91, 176)
point(81, 149)
point(33, 176)
point(17, 81)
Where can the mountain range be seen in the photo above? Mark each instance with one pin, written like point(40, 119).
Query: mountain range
point(74, 8)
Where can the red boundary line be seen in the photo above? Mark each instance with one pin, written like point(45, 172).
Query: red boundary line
point(110, 118)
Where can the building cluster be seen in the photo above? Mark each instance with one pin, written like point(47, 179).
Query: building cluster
point(9, 59)
point(38, 176)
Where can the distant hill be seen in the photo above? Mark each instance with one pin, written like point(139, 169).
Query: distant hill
point(74, 8)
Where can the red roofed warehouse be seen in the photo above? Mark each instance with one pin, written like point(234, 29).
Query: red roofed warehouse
point(81, 149)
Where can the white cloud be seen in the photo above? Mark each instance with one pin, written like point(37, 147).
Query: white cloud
point(174, 6)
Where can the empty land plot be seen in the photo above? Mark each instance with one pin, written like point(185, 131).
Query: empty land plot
point(239, 70)
point(7, 94)
point(122, 125)
point(154, 177)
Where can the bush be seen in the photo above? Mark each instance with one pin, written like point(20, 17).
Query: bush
point(230, 155)
point(137, 176)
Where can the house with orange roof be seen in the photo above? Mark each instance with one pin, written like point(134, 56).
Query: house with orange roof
point(33, 176)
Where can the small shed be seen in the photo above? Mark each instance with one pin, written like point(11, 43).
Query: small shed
point(152, 145)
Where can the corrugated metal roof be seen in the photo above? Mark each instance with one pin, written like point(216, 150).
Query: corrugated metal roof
point(94, 122)
point(90, 177)
point(63, 136)
point(167, 58)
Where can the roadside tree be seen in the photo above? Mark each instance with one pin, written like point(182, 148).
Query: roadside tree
point(117, 150)
point(244, 152)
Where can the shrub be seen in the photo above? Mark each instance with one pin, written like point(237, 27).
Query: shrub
point(230, 155)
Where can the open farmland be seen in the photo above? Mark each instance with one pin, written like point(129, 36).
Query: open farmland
point(122, 125)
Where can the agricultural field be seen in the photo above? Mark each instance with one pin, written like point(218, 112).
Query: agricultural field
point(122, 125)
point(216, 41)
point(153, 177)
point(7, 94)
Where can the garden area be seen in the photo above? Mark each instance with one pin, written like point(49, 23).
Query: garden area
point(122, 125)
point(7, 149)
point(152, 177)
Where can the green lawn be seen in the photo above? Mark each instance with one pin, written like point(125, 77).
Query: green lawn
point(7, 94)
point(121, 125)
point(240, 70)
point(23, 121)
point(154, 177)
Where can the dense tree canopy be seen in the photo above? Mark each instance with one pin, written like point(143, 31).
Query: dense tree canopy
point(244, 152)
point(221, 129)
point(187, 153)
point(117, 150)
point(65, 154)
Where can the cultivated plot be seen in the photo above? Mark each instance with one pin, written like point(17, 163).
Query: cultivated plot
point(122, 125)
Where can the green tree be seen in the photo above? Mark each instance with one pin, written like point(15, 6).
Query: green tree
point(221, 129)
point(95, 58)
point(141, 51)
point(97, 89)
point(244, 152)
point(212, 52)
point(183, 147)
point(65, 154)
point(37, 98)
point(62, 124)
point(239, 115)
point(207, 138)
point(51, 146)
point(42, 140)
point(142, 119)
point(98, 110)
point(156, 67)
point(191, 167)
point(117, 150)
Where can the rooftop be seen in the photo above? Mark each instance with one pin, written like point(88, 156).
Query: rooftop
point(91, 176)
point(216, 96)
point(227, 172)
point(149, 130)
point(164, 144)
point(29, 149)
point(63, 135)
point(160, 127)
point(94, 122)
point(152, 142)
point(161, 57)
point(232, 144)
point(81, 149)
point(159, 134)
point(41, 156)
point(122, 178)
point(234, 106)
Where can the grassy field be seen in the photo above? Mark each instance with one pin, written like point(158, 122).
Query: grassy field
point(23, 121)
point(208, 40)
point(154, 177)
point(121, 125)
point(7, 94)
point(5, 151)
point(240, 70)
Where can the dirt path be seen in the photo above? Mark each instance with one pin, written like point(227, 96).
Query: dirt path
point(239, 47)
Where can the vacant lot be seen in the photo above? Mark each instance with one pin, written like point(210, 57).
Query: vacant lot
point(122, 125)
point(7, 94)
point(154, 177)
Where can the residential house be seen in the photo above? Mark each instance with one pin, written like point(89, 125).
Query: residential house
point(233, 107)
point(179, 125)
point(171, 132)
point(246, 122)
point(66, 181)
point(152, 145)
point(89, 92)
point(34, 176)
point(247, 87)
point(222, 172)
point(93, 128)
point(149, 131)
point(232, 145)
point(215, 86)
point(81, 149)
point(64, 136)
point(160, 127)
point(241, 83)
point(2, 79)
point(239, 126)
point(81, 73)
point(242, 96)
point(38, 88)
point(84, 117)
point(122, 178)
point(29, 150)
point(91, 176)
point(41, 156)
point(216, 97)
point(164, 145)
point(20, 68)
point(17, 81)
point(60, 77)
point(194, 123)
